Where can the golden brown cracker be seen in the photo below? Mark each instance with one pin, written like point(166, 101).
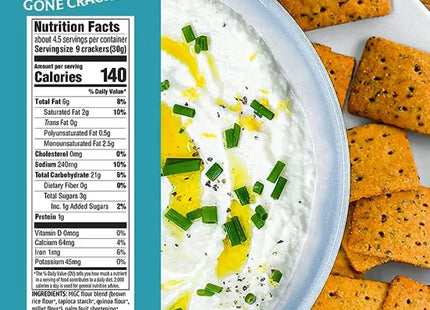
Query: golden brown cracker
point(313, 14)
point(351, 294)
point(339, 67)
point(361, 263)
point(342, 266)
point(406, 294)
point(392, 85)
point(394, 225)
point(381, 161)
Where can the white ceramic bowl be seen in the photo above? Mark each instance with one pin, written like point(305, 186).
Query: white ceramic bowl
point(312, 89)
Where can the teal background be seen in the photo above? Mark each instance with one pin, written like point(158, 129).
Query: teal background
point(13, 146)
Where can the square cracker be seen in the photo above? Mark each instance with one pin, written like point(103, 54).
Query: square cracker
point(406, 294)
point(342, 293)
point(339, 67)
point(342, 266)
point(392, 85)
point(361, 263)
point(313, 14)
point(381, 161)
point(394, 225)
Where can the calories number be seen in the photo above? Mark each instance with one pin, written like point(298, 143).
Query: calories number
point(114, 74)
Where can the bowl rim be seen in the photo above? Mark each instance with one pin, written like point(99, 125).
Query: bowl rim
point(275, 26)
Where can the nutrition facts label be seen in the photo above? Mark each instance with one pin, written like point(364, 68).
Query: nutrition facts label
point(80, 163)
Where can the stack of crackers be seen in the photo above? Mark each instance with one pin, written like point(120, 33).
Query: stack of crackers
point(389, 213)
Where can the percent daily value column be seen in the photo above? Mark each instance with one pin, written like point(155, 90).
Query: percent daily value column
point(80, 162)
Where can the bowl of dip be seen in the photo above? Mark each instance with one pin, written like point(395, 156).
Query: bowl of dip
point(260, 80)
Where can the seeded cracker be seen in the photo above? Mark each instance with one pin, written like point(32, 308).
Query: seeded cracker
point(406, 294)
point(392, 85)
point(339, 68)
point(381, 161)
point(340, 293)
point(394, 225)
point(342, 266)
point(313, 14)
point(361, 263)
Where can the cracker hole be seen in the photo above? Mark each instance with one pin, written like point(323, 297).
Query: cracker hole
point(382, 59)
point(356, 159)
point(418, 117)
point(422, 224)
point(331, 294)
point(388, 195)
point(359, 2)
point(383, 218)
point(401, 171)
point(411, 89)
point(421, 124)
point(418, 243)
point(408, 301)
point(386, 135)
point(425, 205)
point(358, 179)
point(395, 95)
point(377, 78)
point(372, 99)
point(367, 297)
point(417, 68)
point(323, 9)
point(332, 71)
point(381, 234)
point(390, 153)
point(352, 141)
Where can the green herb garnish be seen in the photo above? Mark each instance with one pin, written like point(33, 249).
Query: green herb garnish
point(178, 219)
point(260, 110)
point(183, 110)
point(279, 187)
point(276, 171)
point(214, 172)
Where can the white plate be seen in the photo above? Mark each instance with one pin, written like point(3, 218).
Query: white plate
point(409, 24)
point(314, 93)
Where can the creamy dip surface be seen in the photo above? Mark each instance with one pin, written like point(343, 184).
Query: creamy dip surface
point(220, 85)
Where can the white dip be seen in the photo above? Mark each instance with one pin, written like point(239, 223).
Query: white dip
point(237, 69)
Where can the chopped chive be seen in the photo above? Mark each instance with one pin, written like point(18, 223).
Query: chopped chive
point(181, 130)
point(276, 276)
point(261, 110)
point(232, 234)
point(209, 215)
point(165, 85)
point(195, 214)
point(176, 160)
point(239, 229)
point(279, 187)
point(197, 48)
point(243, 195)
point(276, 171)
point(258, 188)
point(177, 218)
point(259, 210)
point(173, 166)
point(183, 110)
point(213, 288)
point(229, 138)
point(214, 172)
point(204, 293)
point(188, 33)
point(257, 220)
point(250, 298)
point(202, 41)
point(236, 134)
